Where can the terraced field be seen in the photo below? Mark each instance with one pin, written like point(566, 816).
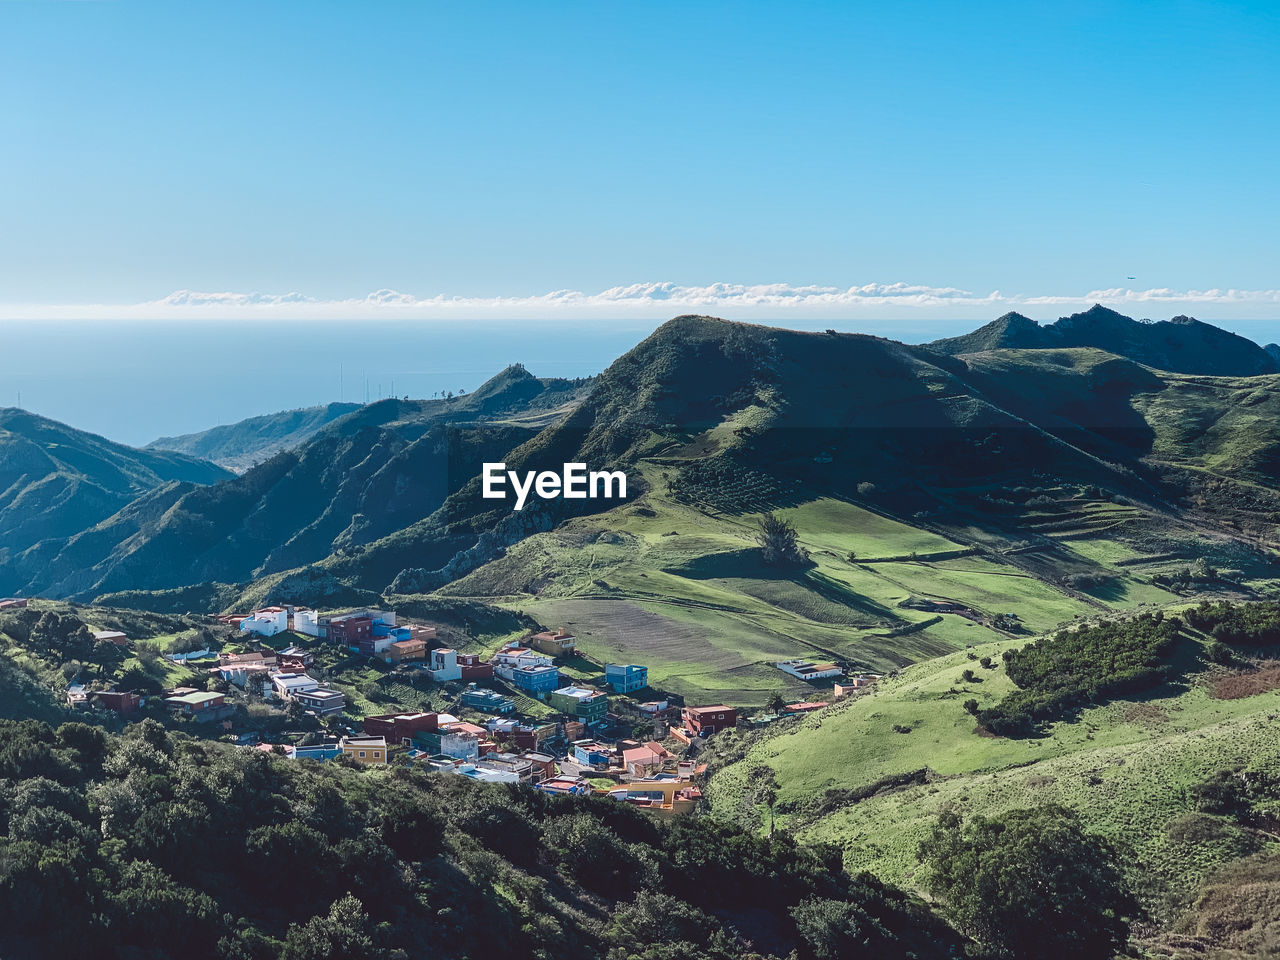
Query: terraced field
point(681, 590)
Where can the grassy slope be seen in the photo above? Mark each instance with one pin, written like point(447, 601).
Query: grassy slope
point(678, 589)
point(1122, 766)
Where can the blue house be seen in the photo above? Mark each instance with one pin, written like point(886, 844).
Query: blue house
point(626, 677)
point(536, 680)
point(592, 754)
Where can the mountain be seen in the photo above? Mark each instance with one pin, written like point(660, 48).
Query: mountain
point(238, 446)
point(1047, 483)
point(55, 481)
point(363, 476)
point(1180, 345)
point(1012, 330)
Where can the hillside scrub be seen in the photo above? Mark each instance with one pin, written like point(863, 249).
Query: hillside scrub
point(1239, 624)
point(154, 844)
point(1031, 884)
point(1075, 667)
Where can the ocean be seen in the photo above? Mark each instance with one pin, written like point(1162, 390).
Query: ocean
point(136, 381)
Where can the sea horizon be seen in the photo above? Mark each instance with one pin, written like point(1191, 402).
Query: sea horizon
point(135, 381)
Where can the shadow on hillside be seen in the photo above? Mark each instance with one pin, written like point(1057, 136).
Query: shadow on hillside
point(746, 564)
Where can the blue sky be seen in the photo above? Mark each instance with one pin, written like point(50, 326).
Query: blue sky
point(293, 158)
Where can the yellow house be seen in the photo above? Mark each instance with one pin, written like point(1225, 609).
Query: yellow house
point(365, 749)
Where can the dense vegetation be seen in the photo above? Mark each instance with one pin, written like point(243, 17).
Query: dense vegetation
point(1079, 666)
point(1031, 885)
point(1251, 624)
point(151, 845)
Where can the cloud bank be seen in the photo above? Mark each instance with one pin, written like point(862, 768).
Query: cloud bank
point(661, 300)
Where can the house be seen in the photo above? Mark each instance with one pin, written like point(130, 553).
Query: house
point(322, 700)
point(544, 765)
point(246, 659)
point(400, 727)
point(13, 603)
point(536, 680)
point(473, 668)
point(513, 656)
point(626, 677)
point(704, 721)
point(486, 774)
point(488, 701)
point(266, 622)
point(861, 682)
point(110, 636)
point(808, 670)
point(369, 632)
point(202, 705)
point(372, 750)
point(556, 643)
point(654, 707)
point(117, 701)
point(77, 696)
point(306, 622)
point(522, 768)
point(295, 654)
point(565, 786)
point(582, 704)
point(590, 753)
point(241, 674)
point(646, 760)
point(316, 751)
point(665, 797)
point(288, 684)
point(443, 665)
point(448, 741)
point(403, 651)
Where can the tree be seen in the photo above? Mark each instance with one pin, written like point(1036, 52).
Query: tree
point(775, 703)
point(345, 934)
point(779, 546)
point(1031, 884)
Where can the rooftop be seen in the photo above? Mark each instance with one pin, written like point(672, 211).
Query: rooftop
point(191, 699)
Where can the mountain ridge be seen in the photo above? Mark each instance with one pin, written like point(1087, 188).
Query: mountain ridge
point(1180, 345)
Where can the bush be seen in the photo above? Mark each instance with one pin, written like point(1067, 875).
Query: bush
point(1031, 884)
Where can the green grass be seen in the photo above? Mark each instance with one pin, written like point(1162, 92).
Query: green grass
point(1123, 766)
point(681, 590)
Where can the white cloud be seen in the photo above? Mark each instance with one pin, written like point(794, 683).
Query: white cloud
point(660, 300)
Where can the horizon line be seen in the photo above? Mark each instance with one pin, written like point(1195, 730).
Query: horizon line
point(654, 301)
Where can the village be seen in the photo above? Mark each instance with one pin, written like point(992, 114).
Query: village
point(535, 712)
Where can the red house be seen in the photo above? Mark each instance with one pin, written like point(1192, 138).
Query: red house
point(708, 720)
point(400, 727)
point(352, 632)
point(118, 701)
point(473, 668)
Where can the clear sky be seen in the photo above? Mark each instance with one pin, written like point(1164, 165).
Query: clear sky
point(327, 150)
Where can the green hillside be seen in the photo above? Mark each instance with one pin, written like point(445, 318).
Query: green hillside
point(56, 481)
point(873, 773)
point(371, 472)
point(238, 446)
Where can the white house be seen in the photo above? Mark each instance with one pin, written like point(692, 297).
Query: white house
point(507, 660)
point(288, 684)
point(266, 622)
point(808, 670)
point(306, 622)
point(444, 665)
